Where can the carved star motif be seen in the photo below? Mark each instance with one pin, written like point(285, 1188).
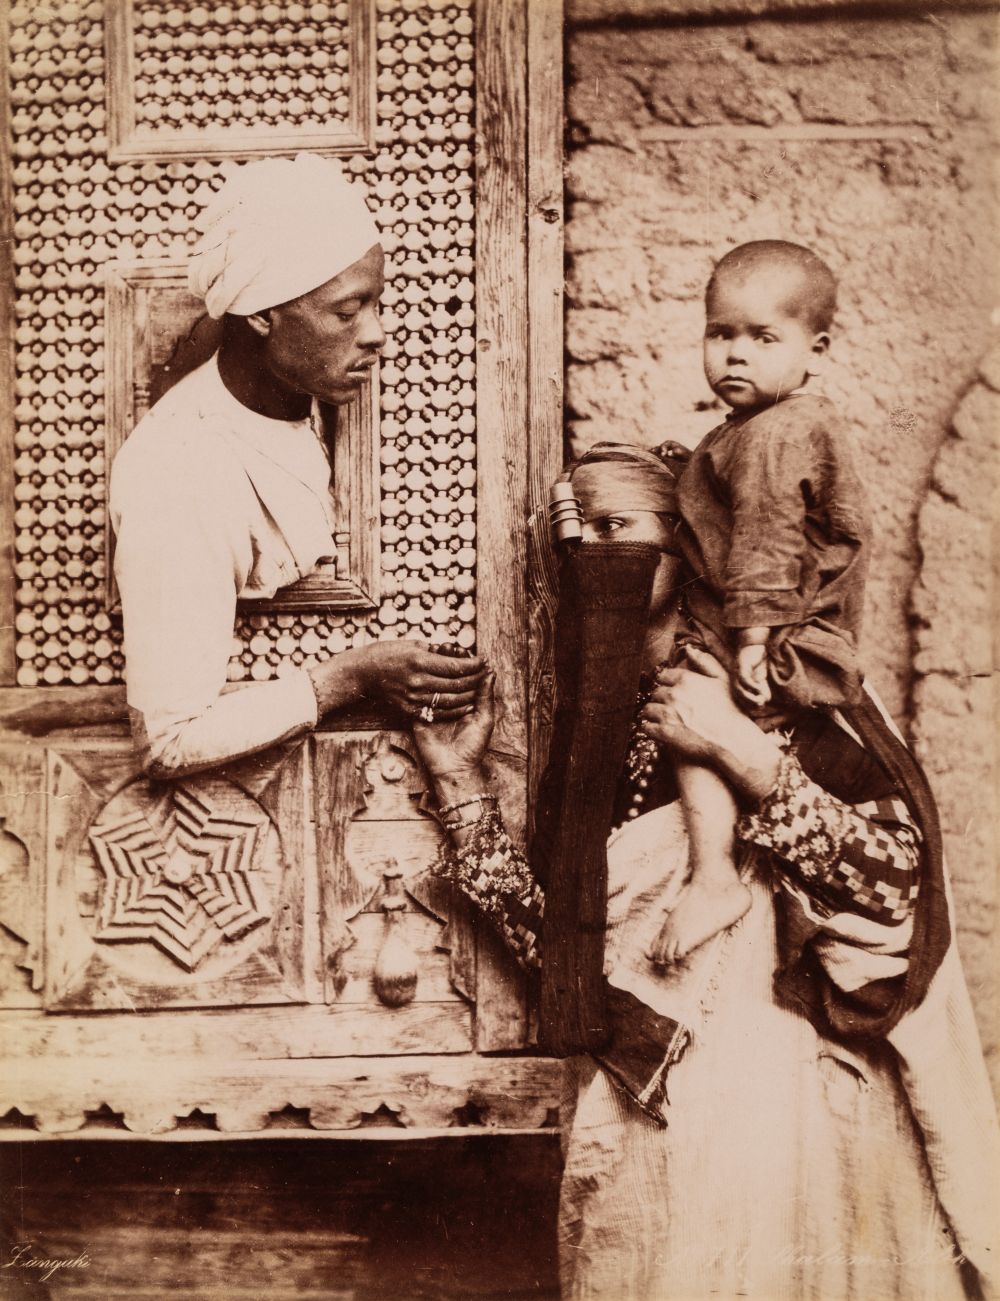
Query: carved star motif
point(179, 868)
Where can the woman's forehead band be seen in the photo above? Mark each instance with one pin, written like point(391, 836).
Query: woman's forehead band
point(611, 478)
point(607, 487)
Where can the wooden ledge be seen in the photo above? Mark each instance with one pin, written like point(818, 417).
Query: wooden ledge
point(40, 711)
point(199, 1100)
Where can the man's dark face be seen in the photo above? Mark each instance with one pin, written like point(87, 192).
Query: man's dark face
point(325, 343)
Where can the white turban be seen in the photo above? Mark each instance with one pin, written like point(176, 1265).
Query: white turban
point(277, 229)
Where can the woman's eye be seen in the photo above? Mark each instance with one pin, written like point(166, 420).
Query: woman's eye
point(610, 524)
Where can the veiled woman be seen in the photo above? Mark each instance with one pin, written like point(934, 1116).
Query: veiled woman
point(800, 1110)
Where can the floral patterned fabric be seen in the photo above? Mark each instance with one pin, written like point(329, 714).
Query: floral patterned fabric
point(861, 858)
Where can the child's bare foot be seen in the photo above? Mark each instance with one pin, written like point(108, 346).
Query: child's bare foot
point(703, 908)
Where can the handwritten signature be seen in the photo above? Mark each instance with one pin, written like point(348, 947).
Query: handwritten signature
point(22, 1257)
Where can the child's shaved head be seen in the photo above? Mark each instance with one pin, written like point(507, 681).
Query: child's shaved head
point(811, 292)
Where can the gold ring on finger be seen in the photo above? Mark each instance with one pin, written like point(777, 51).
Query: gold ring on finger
point(427, 714)
point(434, 699)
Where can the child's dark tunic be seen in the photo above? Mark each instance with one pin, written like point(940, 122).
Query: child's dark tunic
point(774, 529)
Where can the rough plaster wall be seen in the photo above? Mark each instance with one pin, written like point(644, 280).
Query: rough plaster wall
point(955, 705)
point(618, 11)
point(866, 138)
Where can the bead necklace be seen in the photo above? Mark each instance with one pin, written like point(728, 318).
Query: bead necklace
point(640, 763)
point(643, 754)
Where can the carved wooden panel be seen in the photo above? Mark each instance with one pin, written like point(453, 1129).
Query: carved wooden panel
point(191, 79)
point(301, 875)
point(22, 860)
point(171, 895)
point(374, 780)
point(156, 332)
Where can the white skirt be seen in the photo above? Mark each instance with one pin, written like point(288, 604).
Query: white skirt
point(791, 1167)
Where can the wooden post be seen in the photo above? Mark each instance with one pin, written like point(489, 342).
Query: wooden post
point(545, 330)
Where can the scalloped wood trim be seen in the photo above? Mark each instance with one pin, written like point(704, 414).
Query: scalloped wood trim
point(100, 1099)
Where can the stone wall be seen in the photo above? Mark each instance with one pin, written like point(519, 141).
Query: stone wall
point(694, 127)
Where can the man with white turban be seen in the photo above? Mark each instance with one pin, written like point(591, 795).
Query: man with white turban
point(222, 491)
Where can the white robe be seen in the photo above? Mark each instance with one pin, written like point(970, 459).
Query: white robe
point(792, 1168)
point(211, 502)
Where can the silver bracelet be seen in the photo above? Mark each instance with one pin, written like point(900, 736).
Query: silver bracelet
point(480, 799)
point(467, 822)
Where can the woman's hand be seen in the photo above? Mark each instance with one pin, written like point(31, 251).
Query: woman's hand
point(690, 707)
point(693, 713)
point(404, 674)
point(453, 749)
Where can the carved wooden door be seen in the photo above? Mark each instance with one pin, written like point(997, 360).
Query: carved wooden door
point(264, 946)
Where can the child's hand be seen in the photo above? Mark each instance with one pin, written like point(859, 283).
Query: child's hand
point(751, 675)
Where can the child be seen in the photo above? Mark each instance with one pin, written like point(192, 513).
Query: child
point(773, 527)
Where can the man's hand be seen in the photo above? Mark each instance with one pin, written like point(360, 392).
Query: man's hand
point(407, 675)
point(412, 677)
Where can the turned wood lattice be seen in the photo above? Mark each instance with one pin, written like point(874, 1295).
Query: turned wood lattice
point(202, 84)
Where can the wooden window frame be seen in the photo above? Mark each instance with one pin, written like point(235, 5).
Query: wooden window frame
point(351, 580)
point(127, 140)
point(519, 334)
